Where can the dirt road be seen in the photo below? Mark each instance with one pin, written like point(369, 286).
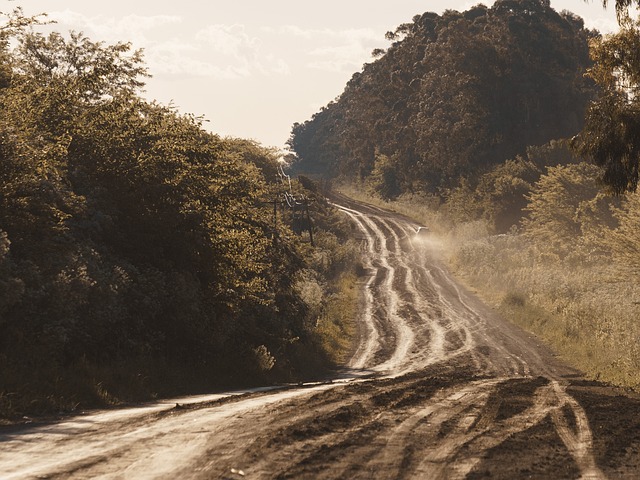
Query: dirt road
point(439, 386)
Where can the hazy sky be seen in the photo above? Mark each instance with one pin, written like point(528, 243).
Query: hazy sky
point(254, 67)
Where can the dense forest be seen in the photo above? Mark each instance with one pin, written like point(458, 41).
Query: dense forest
point(141, 255)
point(453, 94)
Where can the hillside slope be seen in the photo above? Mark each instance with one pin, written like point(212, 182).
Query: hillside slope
point(453, 94)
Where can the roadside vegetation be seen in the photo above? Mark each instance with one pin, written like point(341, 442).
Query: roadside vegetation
point(545, 231)
point(566, 271)
point(141, 255)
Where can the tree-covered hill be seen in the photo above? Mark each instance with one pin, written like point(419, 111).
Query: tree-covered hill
point(454, 94)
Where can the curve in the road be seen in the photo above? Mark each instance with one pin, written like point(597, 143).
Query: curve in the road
point(452, 382)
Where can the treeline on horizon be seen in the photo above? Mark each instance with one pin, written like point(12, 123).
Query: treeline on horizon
point(141, 255)
point(514, 133)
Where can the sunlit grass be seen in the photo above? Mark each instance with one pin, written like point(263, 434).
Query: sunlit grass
point(586, 308)
point(337, 324)
point(586, 312)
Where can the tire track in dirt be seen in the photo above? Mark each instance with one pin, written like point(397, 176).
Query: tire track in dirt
point(454, 332)
point(388, 298)
point(457, 392)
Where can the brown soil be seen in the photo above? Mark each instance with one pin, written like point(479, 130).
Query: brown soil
point(439, 386)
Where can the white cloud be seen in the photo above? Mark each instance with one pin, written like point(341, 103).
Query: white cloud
point(183, 58)
point(351, 34)
point(129, 28)
point(276, 66)
point(219, 51)
point(231, 40)
point(198, 68)
point(603, 25)
point(243, 53)
point(341, 51)
point(341, 58)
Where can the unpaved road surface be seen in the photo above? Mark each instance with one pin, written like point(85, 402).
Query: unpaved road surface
point(439, 387)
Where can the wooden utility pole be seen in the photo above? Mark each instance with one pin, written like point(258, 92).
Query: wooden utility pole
point(309, 225)
point(275, 220)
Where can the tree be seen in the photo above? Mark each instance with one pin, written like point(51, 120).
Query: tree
point(622, 7)
point(623, 241)
point(12, 288)
point(383, 180)
point(611, 136)
point(129, 235)
point(559, 207)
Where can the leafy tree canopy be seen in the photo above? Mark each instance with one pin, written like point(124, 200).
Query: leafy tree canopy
point(611, 136)
point(131, 236)
point(454, 94)
point(622, 7)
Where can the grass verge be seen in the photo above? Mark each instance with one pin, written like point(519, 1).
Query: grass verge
point(586, 311)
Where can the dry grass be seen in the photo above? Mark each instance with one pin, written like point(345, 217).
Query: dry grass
point(336, 325)
point(587, 311)
point(586, 308)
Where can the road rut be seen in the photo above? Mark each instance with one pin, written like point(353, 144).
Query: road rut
point(439, 386)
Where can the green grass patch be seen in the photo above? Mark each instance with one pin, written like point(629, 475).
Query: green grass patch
point(337, 324)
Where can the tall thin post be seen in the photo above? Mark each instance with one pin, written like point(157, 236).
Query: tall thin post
point(275, 220)
point(310, 227)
